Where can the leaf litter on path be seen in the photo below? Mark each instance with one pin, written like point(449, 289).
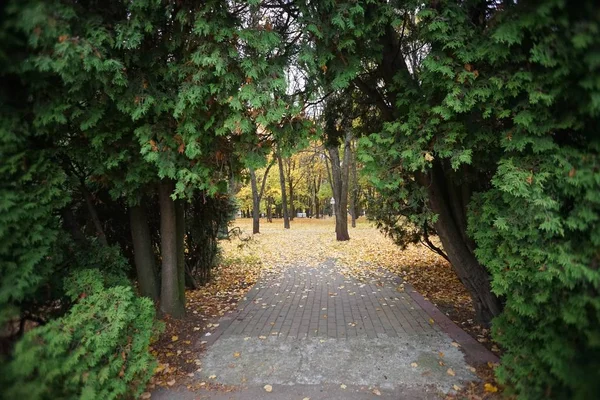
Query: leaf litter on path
point(368, 257)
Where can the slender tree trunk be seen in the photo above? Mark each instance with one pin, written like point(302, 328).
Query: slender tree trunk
point(339, 175)
point(255, 203)
point(354, 192)
point(473, 275)
point(143, 253)
point(257, 196)
point(170, 302)
point(70, 224)
point(290, 182)
point(180, 221)
point(94, 215)
point(284, 209)
point(269, 209)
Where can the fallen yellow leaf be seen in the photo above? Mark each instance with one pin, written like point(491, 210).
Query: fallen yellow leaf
point(174, 338)
point(268, 388)
point(451, 372)
point(488, 387)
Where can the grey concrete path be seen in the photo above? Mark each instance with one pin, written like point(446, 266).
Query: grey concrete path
point(314, 333)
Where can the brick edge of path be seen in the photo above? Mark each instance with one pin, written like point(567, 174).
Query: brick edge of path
point(475, 352)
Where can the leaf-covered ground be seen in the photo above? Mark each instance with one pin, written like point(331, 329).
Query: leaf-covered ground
point(310, 242)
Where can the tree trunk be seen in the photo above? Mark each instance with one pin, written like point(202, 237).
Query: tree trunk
point(290, 182)
point(354, 192)
point(170, 302)
point(255, 203)
point(339, 175)
point(269, 209)
point(284, 209)
point(94, 215)
point(473, 275)
point(69, 223)
point(180, 222)
point(143, 253)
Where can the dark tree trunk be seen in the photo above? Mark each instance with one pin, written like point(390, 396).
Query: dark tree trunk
point(170, 302)
point(354, 193)
point(94, 215)
point(180, 221)
point(451, 229)
point(255, 203)
point(339, 173)
point(269, 209)
point(70, 224)
point(143, 253)
point(284, 208)
point(290, 182)
point(257, 196)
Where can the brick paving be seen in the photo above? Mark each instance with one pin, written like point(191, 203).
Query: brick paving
point(304, 302)
point(311, 331)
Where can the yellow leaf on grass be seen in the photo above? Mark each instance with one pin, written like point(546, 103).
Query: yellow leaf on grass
point(488, 387)
point(174, 338)
point(236, 354)
point(414, 365)
point(451, 372)
point(268, 388)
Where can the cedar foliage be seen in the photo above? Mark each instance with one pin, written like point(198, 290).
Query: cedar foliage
point(103, 102)
point(99, 349)
point(489, 116)
point(480, 125)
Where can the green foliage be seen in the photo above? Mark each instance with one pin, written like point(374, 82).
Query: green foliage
point(99, 349)
point(500, 100)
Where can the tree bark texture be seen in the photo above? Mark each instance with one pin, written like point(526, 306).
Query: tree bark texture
point(290, 181)
point(94, 215)
point(339, 173)
point(145, 263)
point(170, 302)
point(180, 222)
point(354, 192)
point(451, 228)
point(286, 217)
point(255, 203)
point(257, 196)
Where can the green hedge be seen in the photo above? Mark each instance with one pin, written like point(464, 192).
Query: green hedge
point(98, 350)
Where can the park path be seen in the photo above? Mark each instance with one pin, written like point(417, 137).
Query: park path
point(313, 332)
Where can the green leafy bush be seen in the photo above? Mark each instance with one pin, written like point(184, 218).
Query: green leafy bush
point(98, 350)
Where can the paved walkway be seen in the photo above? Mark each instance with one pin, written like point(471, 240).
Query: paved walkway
point(312, 332)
